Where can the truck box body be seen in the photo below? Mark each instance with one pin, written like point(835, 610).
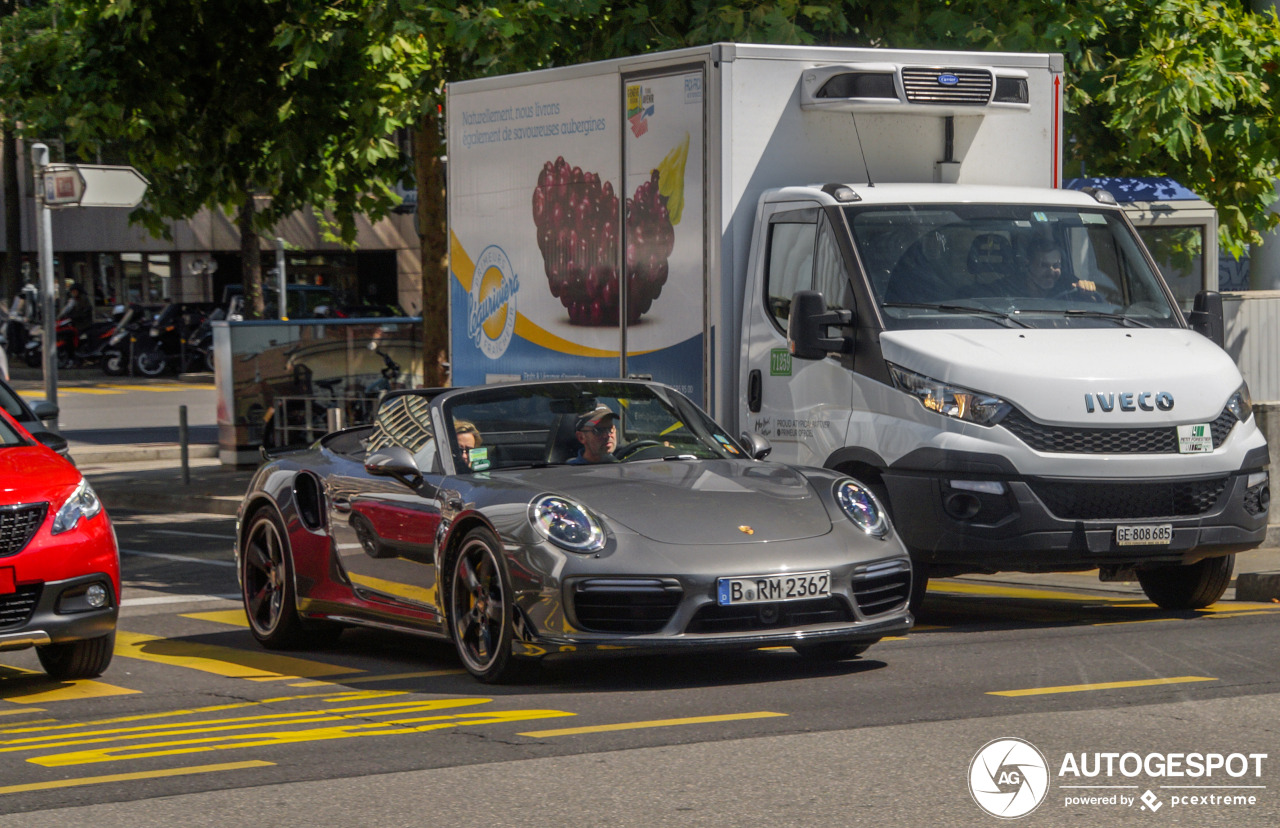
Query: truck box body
point(1008, 426)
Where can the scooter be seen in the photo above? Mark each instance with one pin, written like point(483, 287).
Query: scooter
point(118, 349)
point(95, 339)
point(66, 337)
point(162, 349)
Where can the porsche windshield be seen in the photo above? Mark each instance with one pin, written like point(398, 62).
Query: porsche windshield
point(983, 265)
point(529, 425)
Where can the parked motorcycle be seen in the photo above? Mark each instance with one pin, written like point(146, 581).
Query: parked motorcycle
point(118, 350)
point(95, 340)
point(66, 337)
point(163, 347)
point(199, 346)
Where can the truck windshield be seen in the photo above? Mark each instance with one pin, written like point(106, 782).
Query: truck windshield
point(978, 265)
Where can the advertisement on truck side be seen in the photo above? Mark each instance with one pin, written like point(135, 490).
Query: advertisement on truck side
point(547, 222)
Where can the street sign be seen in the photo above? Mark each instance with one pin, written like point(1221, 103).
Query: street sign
point(92, 185)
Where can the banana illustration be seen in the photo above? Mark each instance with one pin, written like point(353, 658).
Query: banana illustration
point(671, 179)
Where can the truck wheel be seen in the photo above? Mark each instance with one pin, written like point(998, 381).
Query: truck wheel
point(1189, 586)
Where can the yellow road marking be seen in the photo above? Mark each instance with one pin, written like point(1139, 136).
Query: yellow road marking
point(42, 689)
point(125, 777)
point(390, 677)
point(170, 386)
point(24, 710)
point(233, 617)
point(1107, 685)
point(203, 740)
point(728, 717)
point(39, 395)
point(333, 697)
point(221, 661)
point(1138, 621)
point(1019, 592)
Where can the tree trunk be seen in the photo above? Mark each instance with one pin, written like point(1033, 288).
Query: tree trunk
point(250, 260)
point(432, 235)
point(11, 281)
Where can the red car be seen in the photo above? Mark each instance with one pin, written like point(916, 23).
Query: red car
point(59, 565)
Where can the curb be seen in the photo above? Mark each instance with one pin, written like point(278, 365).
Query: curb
point(95, 455)
point(1258, 586)
point(176, 502)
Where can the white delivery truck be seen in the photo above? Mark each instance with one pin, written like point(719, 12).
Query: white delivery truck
point(864, 256)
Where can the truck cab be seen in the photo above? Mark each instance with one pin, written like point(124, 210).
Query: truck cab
point(1008, 369)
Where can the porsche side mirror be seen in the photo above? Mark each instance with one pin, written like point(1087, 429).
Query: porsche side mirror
point(807, 334)
point(757, 446)
point(394, 461)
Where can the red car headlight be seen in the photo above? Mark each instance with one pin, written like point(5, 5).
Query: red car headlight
point(83, 503)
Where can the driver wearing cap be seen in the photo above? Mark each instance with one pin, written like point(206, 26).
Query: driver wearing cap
point(597, 432)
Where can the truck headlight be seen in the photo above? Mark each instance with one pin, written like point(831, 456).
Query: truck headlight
point(861, 506)
point(566, 523)
point(1241, 404)
point(83, 503)
point(949, 400)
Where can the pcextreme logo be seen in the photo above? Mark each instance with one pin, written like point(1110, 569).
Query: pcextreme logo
point(1009, 778)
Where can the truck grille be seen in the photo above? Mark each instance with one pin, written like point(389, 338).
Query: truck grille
point(922, 87)
point(625, 605)
point(18, 524)
point(714, 618)
point(1125, 501)
point(1067, 440)
point(16, 607)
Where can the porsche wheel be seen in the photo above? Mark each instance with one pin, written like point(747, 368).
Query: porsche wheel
point(1187, 587)
point(480, 612)
point(266, 584)
point(77, 659)
point(832, 650)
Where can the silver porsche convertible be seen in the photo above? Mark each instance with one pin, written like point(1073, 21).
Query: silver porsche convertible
point(541, 519)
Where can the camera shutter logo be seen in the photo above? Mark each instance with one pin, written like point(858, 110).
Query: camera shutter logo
point(1008, 778)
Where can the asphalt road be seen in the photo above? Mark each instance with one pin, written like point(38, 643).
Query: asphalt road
point(194, 724)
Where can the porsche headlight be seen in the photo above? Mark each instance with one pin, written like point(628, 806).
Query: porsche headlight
point(1241, 404)
point(566, 523)
point(949, 400)
point(83, 503)
point(860, 506)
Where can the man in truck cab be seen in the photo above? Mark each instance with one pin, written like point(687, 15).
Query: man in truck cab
point(1043, 278)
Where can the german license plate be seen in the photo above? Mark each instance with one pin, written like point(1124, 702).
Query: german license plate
point(761, 589)
point(1148, 534)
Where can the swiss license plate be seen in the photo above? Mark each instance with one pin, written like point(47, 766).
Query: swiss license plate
point(761, 589)
point(1147, 534)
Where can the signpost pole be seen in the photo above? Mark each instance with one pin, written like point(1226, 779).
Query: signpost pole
point(284, 281)
point(44, 249)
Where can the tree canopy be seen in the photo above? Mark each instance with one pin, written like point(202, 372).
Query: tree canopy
point(300, 100)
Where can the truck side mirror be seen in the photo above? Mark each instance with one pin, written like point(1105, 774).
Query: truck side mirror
point(1206, 317)
point(807, 328)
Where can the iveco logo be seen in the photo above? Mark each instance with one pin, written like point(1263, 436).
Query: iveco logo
point(948, 79)
point(1129, 401)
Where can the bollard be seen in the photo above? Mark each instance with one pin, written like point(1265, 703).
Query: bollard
point(182, 444)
